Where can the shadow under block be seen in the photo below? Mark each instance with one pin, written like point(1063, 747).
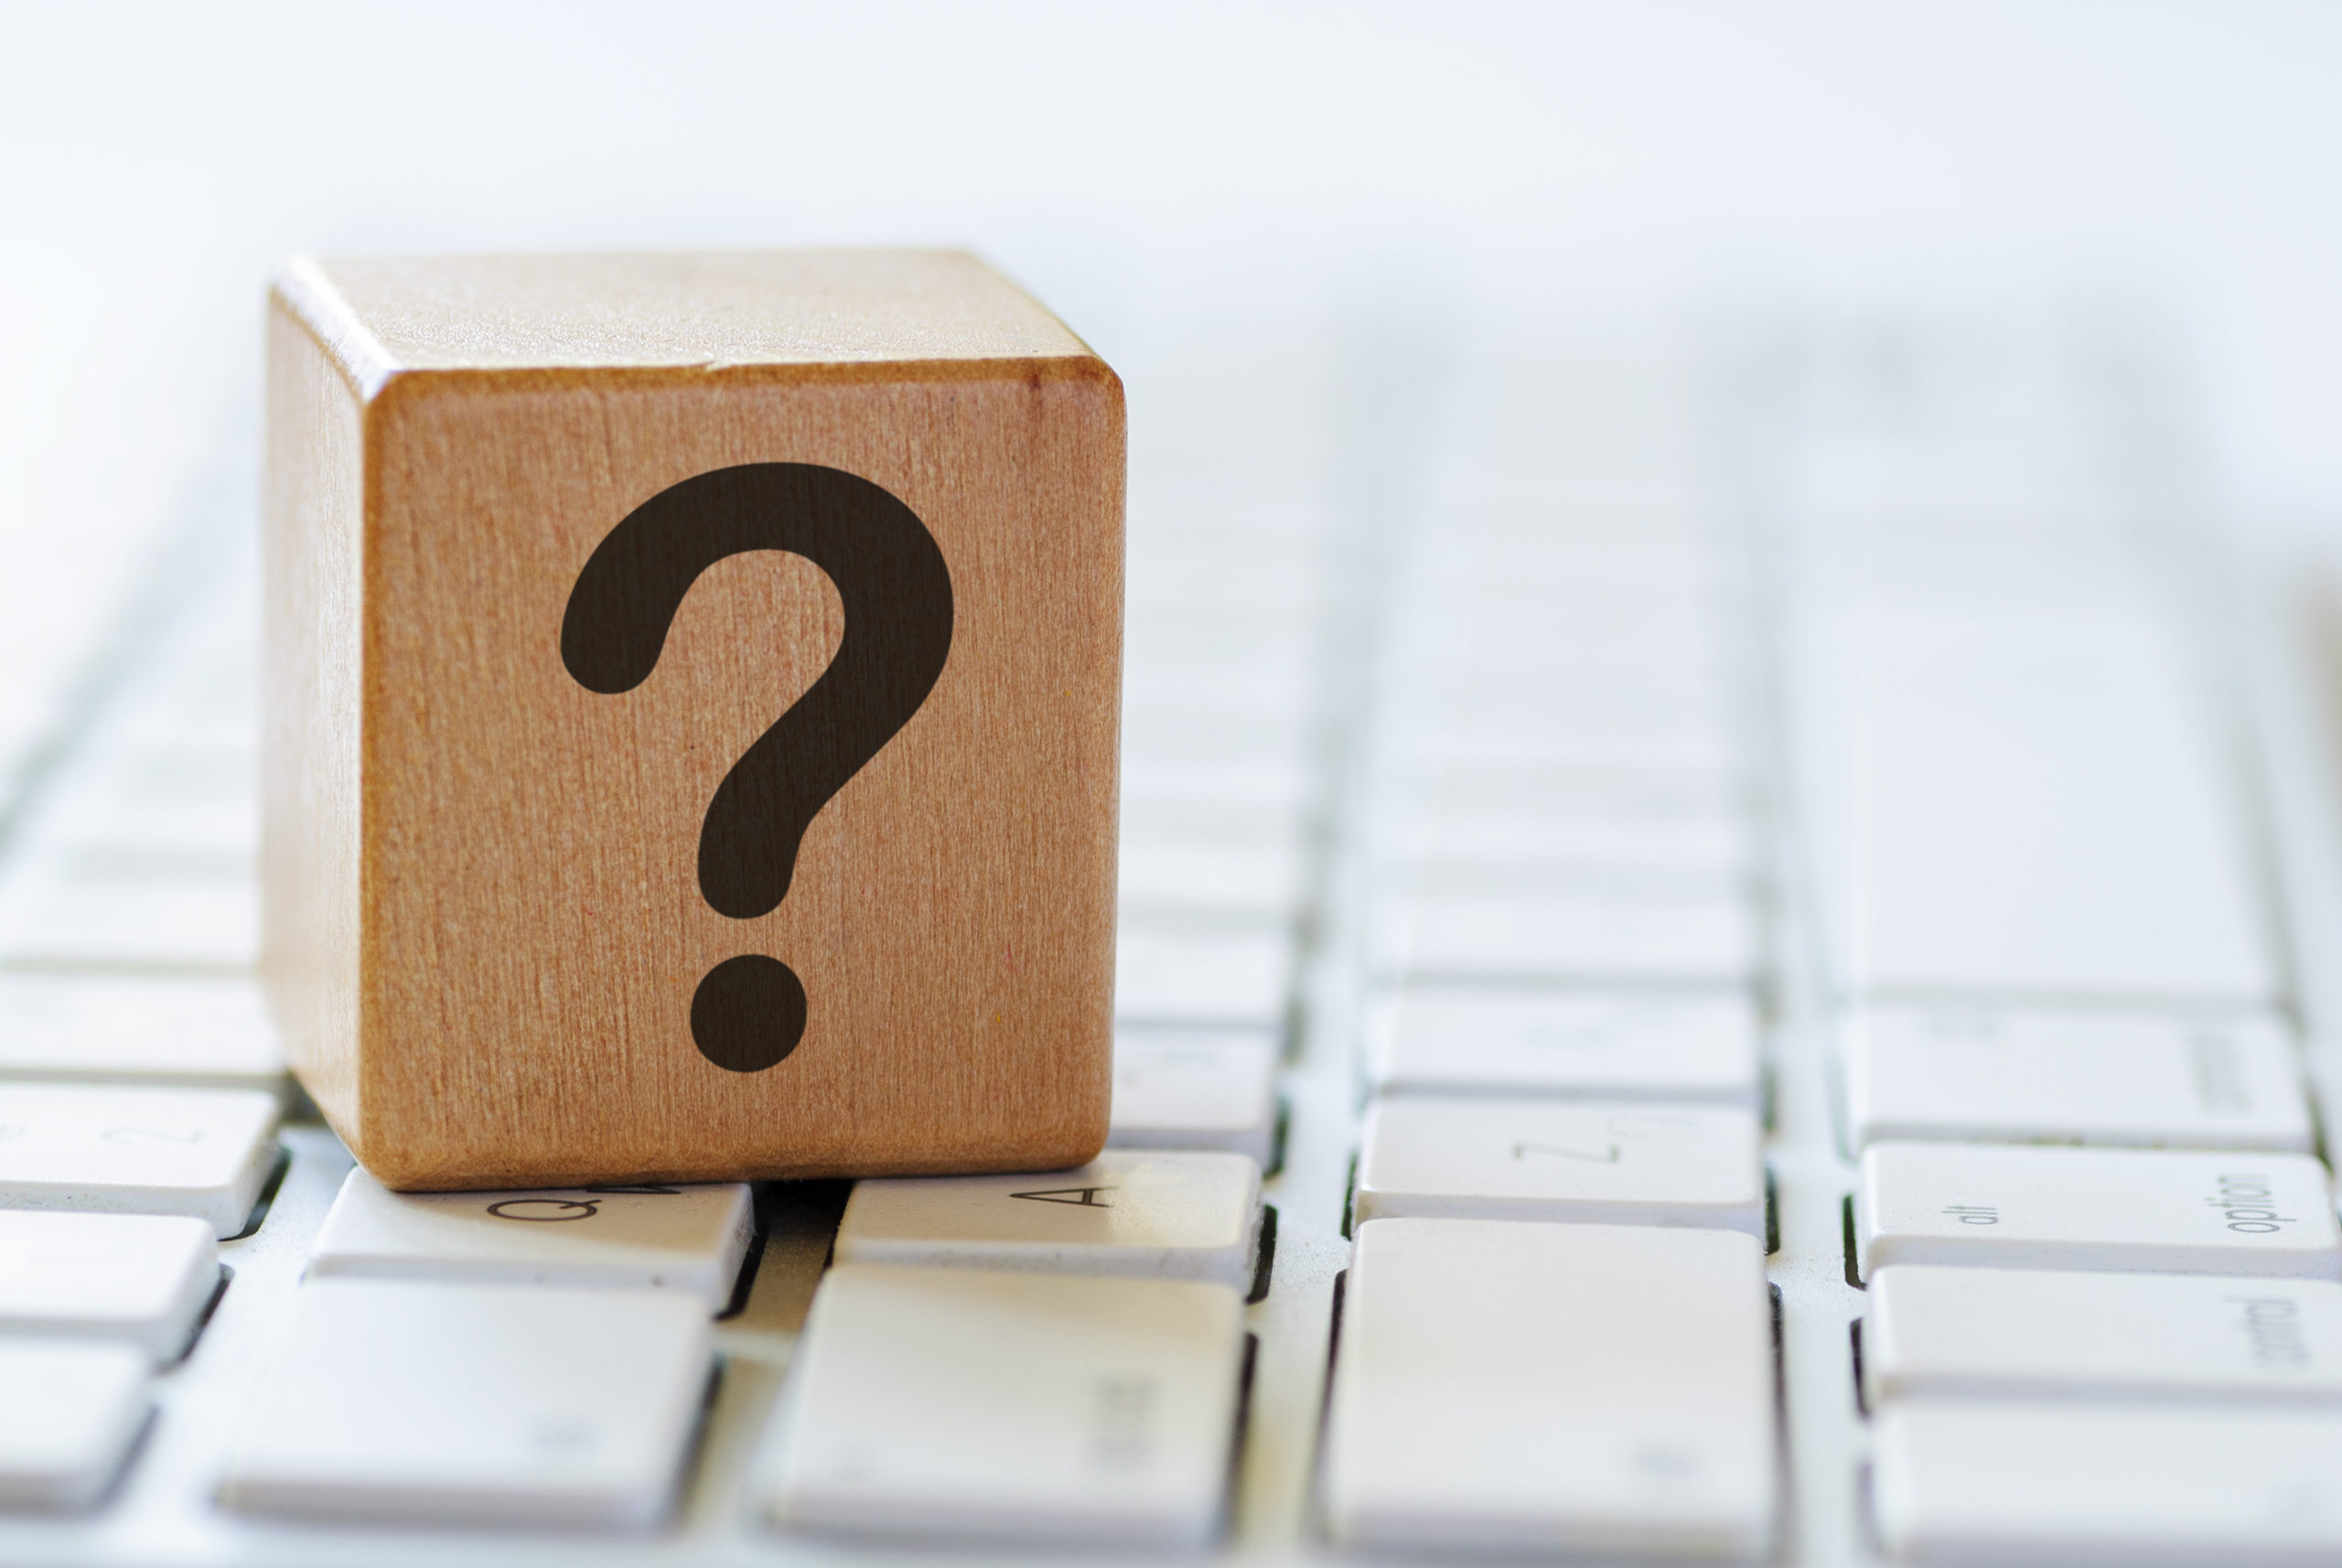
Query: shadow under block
point(514, 825)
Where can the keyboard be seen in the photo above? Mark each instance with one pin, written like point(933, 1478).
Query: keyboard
point(1717, 935)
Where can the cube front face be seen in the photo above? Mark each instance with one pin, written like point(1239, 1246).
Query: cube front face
point(529, 926)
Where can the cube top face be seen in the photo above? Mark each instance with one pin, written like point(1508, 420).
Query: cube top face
point(682, 310)
point(633, 619)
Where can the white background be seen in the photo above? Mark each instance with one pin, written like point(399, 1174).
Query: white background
point(156, 160)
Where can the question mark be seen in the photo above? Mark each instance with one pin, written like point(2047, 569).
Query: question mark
point(749, 1011)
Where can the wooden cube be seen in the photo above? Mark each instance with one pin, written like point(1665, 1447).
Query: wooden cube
point(691, 687)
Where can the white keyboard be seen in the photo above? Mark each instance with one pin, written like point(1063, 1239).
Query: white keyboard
point(1703, 974)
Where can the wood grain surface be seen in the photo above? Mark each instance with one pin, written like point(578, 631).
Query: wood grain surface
point(483, 923)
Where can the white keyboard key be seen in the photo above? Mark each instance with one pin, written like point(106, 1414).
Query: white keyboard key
point(1207, 700)
point(144, 1029)
point(1552, 1387)
point(973, 1406)
point(1226, 975)
point(1590, 879)
point(2141, 1210)
point(1580, 859)
point(1184, 819)
point(1281, 788)
point(1159, 693)
point(1624, 1163)
point(140, 1278)
point(1994, 1076)
point(206, 923)
point(1652, 718)
point(2042, 809)
point(164, 803)
point(685, 1239)
point(1230, 647)
point(1164, 873)
point(1525, 660)
point(1999, 1482)
point(2021, 1332)
point(1640, 571)
point(429, 1403)
point(69, 1412)
point(1563, 793)
point(1212, 726)
point(1443, 742)
point(1147, 1213)
point(1186, 579)
point(1716, 855)
point(199, 1152)
point(1195, 1089)
point(1505, 1041)
point(1700, 940)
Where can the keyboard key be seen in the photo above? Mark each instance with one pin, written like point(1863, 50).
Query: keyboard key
point(684, 1239)
point(1655, 718)
point(977, 1407)
point(1167, 873)
point(159, 802)
point(1185, 819)
point(2019, 1332)
point(1501, 1041)
point(1207, 855)
point(1195, 1089)
point(1213, 728)
point(1552, 1387)
point(428, 1403)
point(69, 1412)
point(138, 1029)
point(1617, 1163)
point(139, 1278)
point(1721, 850)
point(1153, 1214)
point(2141, 1210)
point(2044, 807)
point(1966, 1481)
point(1489, 936)
point(1561, 792)
point(1543, 881)
point(1280, 786)
point(1993, 1076)
point(210, 922)
point(1233, 974)
point(1508, 744)
point(199, 1152)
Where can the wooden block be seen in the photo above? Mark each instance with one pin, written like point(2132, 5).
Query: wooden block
point(691, 691)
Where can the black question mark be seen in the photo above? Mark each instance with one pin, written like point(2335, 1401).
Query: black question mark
point(749, 1011)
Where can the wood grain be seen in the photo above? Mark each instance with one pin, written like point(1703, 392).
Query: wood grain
point(483, 925)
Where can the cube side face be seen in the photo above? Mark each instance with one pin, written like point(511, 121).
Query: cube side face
point(534, 925)
point(313, 521)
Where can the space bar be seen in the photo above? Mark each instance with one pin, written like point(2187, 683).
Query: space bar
point(2041, 810)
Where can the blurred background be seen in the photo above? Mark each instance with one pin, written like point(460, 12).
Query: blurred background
point(2173, 163)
